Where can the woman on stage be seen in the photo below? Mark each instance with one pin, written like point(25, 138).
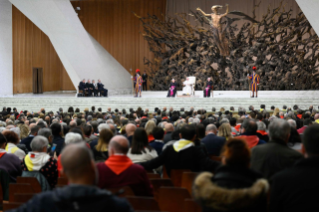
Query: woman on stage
point(172, 89)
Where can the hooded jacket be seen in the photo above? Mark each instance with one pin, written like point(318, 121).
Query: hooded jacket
point(75, 198)
point(231, 189)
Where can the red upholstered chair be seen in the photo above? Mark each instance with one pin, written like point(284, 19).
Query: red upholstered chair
point(143, 203)
point(11, 205)
point(23, 198)
point(153, 176)
point(172, 199)
point(191, 206)
point(62, 181)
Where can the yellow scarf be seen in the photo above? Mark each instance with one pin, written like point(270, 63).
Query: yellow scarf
point(182, 144)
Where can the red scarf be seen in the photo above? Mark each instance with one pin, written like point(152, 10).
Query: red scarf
point(150, 138)
point(1, 154)
point(299, 116)
point(118, 163)
point(262, 132)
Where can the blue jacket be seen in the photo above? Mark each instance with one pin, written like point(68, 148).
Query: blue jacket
point(27, 141)
point(214, 144)
point(78, 198)
point(158, 146)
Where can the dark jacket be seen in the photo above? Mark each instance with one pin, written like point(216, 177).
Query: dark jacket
point(273, 157)
point(191, 158)
point(216, 192)
point(27, 141)
point(75, 198)
point(12, 165)
point(295, 189)
point(82, 86)
point(59, 141)
point(158, 146)
point(100, 86)
point(213, 144)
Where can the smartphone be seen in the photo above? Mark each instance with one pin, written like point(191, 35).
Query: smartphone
point(53, 148)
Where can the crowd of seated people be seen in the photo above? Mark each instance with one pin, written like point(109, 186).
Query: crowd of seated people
point(259, 151)
point(92, 89)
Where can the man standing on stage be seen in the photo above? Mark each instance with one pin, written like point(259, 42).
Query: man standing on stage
point(101, 89)
point(254, 82)
point(144, 77)
point(208, 87)
point(172, 89)
point(138, 85)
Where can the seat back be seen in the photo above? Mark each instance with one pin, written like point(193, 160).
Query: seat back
point(11, 205)
point(41, 179)
point(32, 181)
point(143, 203)
point(153, 176)
point(62, 181)
point(158, 183)
point(23, 198)
point(122, 191)
point(188, 179)
point(176, 176)
point(191, 206)
point(19, 188)
point(172, 198)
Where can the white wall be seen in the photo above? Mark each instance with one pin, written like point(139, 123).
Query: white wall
point(6, 69)
point(81, 55)
point(310, 9)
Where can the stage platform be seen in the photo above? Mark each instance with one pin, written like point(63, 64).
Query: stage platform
point(52, 101)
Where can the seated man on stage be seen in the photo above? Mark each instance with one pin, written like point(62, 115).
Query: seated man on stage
point(187, 89)
point(254, 82)
point(95, 90)
point(101, 89)
point(89, 86)
point(208, 87)
point(172, 89)
point(82, 87)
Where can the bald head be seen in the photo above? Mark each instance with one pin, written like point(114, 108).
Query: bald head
point(169, 127)
point(78, 164)
point(130, 129)
point(118, 145)
point(211, 128)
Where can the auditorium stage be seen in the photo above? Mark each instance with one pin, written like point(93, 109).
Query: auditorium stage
point(151, 99)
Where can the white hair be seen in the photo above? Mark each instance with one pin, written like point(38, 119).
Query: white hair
point(292, 123)
point(110, 121)
point(16, 130)
point(261, 126)
point(2, 124)
point(38, 143)
point(1, 129)
point(103, 126)
point(72, 137)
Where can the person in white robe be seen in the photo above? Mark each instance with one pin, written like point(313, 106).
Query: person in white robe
point(187, 89)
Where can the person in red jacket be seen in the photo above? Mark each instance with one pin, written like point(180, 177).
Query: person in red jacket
point(248, 132)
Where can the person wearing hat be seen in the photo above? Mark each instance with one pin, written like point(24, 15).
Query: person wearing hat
point(254, 82)
point(172, 89)
point(208, 87)
point(138, 85)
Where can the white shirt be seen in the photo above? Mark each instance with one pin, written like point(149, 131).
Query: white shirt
point(145, 156)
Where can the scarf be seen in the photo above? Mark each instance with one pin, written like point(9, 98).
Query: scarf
point(182, 144)
point(2, 152)
point(11, 148)
point(262, 132)
point(34, 161)
point(150, 138)
point(299, 116)
point(118, 163)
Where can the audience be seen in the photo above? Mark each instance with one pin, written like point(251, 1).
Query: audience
point(57, 138)
point(9, 162)
point(78, 166)
point(149, 127)
point(12, 142)
point(274, 156)
point(225, 131)
point(294, 189)
point(212, 142)
point(100, 151)
point(158, 143)
point(141, 150)
point(307, 122)
point(233, 186)
point(33, 132)
point(130, 129)
point(248, 132)
point(38, 163)
point(118, 170)
point(169, 129)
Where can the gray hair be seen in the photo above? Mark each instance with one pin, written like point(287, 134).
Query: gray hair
point(292, 123)
point(279, 130)
point(261, 126)
point(16, 130)
point(38, 143)
point(41, 121)
point(72, 137)
point(110, 121)
point(103, 126)
point(224, 120)
point(56, 120)
point(211, 127)
point(2, 124)
point(1, 129)
point(196, 120)
point(100, 121)
point(46, 132)
point(281, 113)
point(291, 115)
point(89, 118)
point(16, 122)
point(9, 122)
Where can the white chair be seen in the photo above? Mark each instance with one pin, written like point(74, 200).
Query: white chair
point(192, 80)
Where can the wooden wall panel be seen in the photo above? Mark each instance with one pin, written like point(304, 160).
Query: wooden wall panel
point(32, 48)
point(113, 25)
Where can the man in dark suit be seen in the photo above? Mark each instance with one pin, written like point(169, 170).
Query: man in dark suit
point(82, 87)
point(34, 128)
point(144, 77)
point(89, 86)
point(101, 88)
point(213, 143)
point(295, 188)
